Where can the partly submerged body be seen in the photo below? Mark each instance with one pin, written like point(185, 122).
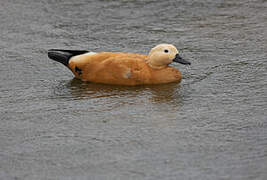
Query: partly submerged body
point(119, 68)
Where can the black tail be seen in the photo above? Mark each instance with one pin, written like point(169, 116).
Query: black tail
point(63, 56)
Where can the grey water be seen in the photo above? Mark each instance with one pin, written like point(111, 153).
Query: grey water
point(211, 126)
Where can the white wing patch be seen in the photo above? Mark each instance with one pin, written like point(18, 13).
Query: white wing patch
point(90, 53)
point(77, 58)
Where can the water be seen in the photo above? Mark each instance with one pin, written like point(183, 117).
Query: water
point(211, 126)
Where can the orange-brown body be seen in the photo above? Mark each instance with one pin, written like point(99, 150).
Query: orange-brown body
point(121, 69)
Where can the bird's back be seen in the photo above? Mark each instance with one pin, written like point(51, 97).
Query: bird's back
point(110, 68)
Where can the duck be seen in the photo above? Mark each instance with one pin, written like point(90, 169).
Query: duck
point(121, 68)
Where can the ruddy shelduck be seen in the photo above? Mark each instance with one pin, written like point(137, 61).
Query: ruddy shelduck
point(122, 68)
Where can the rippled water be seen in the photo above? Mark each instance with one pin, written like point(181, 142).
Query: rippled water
point(211, 126)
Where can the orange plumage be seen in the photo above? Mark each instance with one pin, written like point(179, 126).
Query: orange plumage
point(126, 68)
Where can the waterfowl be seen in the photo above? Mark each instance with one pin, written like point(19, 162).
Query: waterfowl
point(122, 68)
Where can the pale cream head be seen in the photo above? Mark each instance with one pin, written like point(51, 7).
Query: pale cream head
point(161, 55)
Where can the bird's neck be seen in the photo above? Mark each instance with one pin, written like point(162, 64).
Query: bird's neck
point(155, 66)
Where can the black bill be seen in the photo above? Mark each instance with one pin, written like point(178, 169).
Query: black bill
point(178, 59)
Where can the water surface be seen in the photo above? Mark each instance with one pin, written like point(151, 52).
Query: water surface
point(211, 126)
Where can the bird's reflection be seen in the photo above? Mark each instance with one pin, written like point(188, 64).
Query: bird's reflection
point(156, 94)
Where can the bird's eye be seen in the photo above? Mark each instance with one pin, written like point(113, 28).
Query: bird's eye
point(166, 50)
